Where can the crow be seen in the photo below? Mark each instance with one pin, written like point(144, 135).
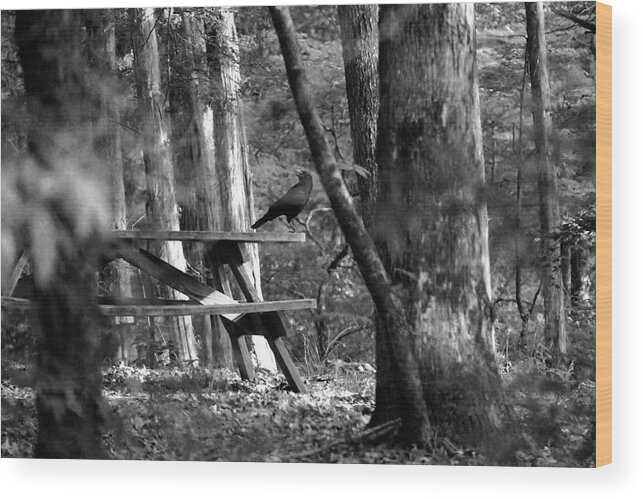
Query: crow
point(291, 203)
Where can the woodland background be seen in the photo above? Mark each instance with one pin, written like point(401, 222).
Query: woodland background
point(557, 400)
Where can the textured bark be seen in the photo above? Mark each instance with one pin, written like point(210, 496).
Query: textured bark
point(430, 224)
point(412, 407)
point(565, 270)
point(552, 284)
point(161, 208)
point(194, 148)
point(68, 398)
point(578, 269)
point(233, 182)
point(101, 39)
point(358, 25)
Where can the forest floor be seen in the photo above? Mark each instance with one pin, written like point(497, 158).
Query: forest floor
point(214, 416)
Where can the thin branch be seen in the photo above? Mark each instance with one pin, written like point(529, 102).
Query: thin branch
point(342, 334)
point(533, 303)
point(580, 22)
point(371, 434)
point(337, 260)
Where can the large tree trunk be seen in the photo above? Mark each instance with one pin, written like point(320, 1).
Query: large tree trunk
point(101, 37)
point(431, 217)
point(232, 173)
point(415, 424)
point(358, 25)
point(161, 208)
point(64, 222)
point(552, 283)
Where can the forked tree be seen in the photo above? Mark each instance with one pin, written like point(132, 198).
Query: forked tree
point(161, 207)
point(233, 180)
point(215, 151)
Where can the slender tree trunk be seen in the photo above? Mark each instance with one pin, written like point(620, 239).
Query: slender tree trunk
point(565, 270)
point(101, 36)
point(361, 53)
point(358, 25)
point(161, 208)
point(232, 173)
point(194, 146)
point(61, 190)
point(555, 334)
point(413, 413)
point(578, 264)
point(431, 219)
point(525, 315)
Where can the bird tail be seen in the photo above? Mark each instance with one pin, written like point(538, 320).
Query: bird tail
point(261, 221)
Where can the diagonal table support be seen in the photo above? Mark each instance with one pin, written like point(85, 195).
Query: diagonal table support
point(273, 325)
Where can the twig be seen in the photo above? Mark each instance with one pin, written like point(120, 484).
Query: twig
point(345, 332)
point(581, 22)
point(533, 303)
point(371, 433)
point(337, 260)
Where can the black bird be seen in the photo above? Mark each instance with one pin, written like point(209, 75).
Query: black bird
point(291, 203)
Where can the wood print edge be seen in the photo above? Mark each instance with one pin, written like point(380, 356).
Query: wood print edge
point(604, 234)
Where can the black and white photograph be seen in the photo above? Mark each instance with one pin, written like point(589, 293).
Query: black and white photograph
point(349, 234)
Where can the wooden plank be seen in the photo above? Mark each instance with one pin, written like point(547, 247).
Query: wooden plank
point(242, 357)
point(603, 234)
point(15, 274)
point(240, 349)
point(109, 300)
point(174, 278)
point(17, 303)
point(273, 324)
point(286, 364)
point(226, 309)
point(185, 308)
point(204, 236)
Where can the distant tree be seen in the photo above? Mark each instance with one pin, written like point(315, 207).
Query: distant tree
point(101, 51)
point(551, 275)
point(232, 177)
point(431, 225)
point(161, 207)
point(358, 25)
point(61, 186)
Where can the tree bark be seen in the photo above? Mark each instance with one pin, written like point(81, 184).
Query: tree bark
point(555, 334)
point(233, 181)
point(101, 37)
point(358, 25)
point(415, 424)
point(431, 225)
point(194, 146)
point(60, 189)
point(161, 208)
point(578, 264)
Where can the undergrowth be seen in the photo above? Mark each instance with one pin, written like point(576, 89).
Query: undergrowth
point(210, 415)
